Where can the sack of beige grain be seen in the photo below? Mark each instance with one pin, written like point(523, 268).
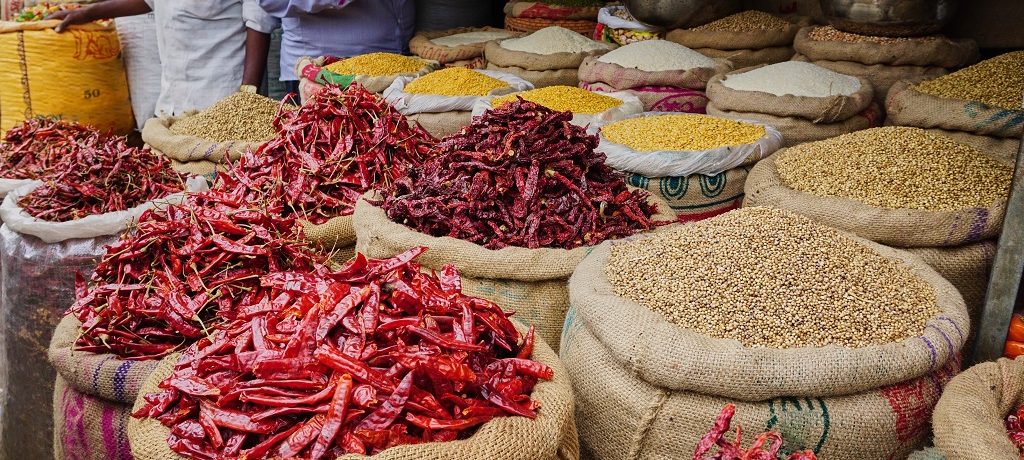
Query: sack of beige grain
point(797, 130)
point(548, 56)
point(881, 76)
point(454, 46)
point(871, 183)
point(969, 421)
point(983, 100)
point(746, 39)
point(652, 330)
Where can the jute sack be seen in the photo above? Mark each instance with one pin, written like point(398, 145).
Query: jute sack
point(933, 51)
point(337, 234)
point(186, 149)
point(525, 25)
point(207, 169)
point(750, 57)
point(966, 267)
point(531, 282)
point(968, 420)
point(422, 45)
point(592, 70)
point(550, 436)
point(442, 124)
point(646, 388)
point(798, 130)
point(475, 63)
point(92, 398)
point(829, 109)
point(541, 78)
point(659, 98)
point(1003, 149)
point(728, 40)
point(520, 9)
point(897, 227)
point(697, 196)
point(881, 76)
point(908, 107)
point(502, 57)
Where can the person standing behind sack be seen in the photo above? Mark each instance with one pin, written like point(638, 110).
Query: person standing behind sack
point(340, 28)
point(208, 48)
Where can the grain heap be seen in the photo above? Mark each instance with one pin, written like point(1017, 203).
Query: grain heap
point(547, 57)
point(563, 98)
point(666, 76)
point(615, 25)
point(376, 65)
point(842, 325)
point(456, 81)
point(748, 38)
point(898, 186)
point(882, 60)
point(374, 71)
point(462, 47)
point(980, 105)
point(696, 163)
point(530, 16)
point(804, 101)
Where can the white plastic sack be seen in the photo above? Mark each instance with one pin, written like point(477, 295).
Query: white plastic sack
point(6, 185)
point(410, 104)
point(631, 105)
point(607, 17)
point(92, 226)
point(137, 35)
point(673, 163)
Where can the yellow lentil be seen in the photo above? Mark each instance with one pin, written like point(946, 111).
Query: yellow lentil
point(242, 116)
point(562, 98)
point(997, 82)
point(377, 64)
point(680, 132)
point(829, 33)
point(896, 167)
point(745, 22)
point(455, 81)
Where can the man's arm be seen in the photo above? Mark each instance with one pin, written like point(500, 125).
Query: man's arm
point(257, 46)
point(286, 8)
point(103, 10)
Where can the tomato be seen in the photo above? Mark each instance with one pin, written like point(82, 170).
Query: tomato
point(1016, 332)
point(1013, 349)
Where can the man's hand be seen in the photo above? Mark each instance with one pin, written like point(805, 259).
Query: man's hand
point(71, 18)
point(107, 9)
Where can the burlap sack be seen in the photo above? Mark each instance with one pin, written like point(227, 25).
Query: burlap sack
point(727, 40)
point(928, 453)
point(816, 109)
point(423, 46)
point(966, 267)
point(530, 282)
point(499, 56)
point(92, 398)
point(798, 130)
point(696, 197)
point(968, 420)
point(552, 435)
point(527, 25)
point(520, 9)
point(660, 98)
point(897, 227)
point(442, 124)
point(336, 234)
point(204, 168)
point(1003, 149)
point(646, 388)
point(183, 148)
point(935, 51)
point(908, 107)
point(881, 76)
point(541, 78)
point(593, 70)
point(475, 63)
point(749, 57)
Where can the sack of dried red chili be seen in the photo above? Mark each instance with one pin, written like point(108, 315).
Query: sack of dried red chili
point(92, 397)
point(32, 149)
point(646, 387)
point(970, 419)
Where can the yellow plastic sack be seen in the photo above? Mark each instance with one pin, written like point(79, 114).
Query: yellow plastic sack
point(76, 75)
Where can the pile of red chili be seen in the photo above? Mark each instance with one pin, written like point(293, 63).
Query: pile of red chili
point(519, 175)
point(337, 146)
point(183, 270)
point(99, 177)
point(32, 149)
point(1015, 427)
point(766, 445)
point(371, 356)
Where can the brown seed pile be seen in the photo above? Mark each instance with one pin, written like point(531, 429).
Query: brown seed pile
point(896, 167)
point(242, 116)
point(831, 34)
point(745, 22)
point(770, 278)
point(997, 82)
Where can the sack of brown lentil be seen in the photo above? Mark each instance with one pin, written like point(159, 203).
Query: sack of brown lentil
point(92, 398)
point(544, 53)
point(1003, 149)
point(550, 436)
point(797, 130)
point(586, 106)
point(748, 58)
point(449, 47)
point(828, 44)
point(746, 39)
point(969, 421)
point(881, 76)
point(375, 71)
point(442, 101)
point(656, 342)
point(792, 89)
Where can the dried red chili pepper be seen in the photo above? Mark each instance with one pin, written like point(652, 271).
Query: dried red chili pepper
point(32, 149)
point(348, 388)
point(519, 175)
point(1015, 427)
point(766, 445)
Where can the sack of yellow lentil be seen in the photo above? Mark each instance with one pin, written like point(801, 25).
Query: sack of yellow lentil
point(442, 101)
point(969, 421)
point(792, 89)
point(799, 130)
point(531, 282)
point(828, 44)
point(375, 71)
point(649, 388)
point(449, 47)
point(587, 107)
point(77, 75)
point(881, 76)
point(548, 56)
